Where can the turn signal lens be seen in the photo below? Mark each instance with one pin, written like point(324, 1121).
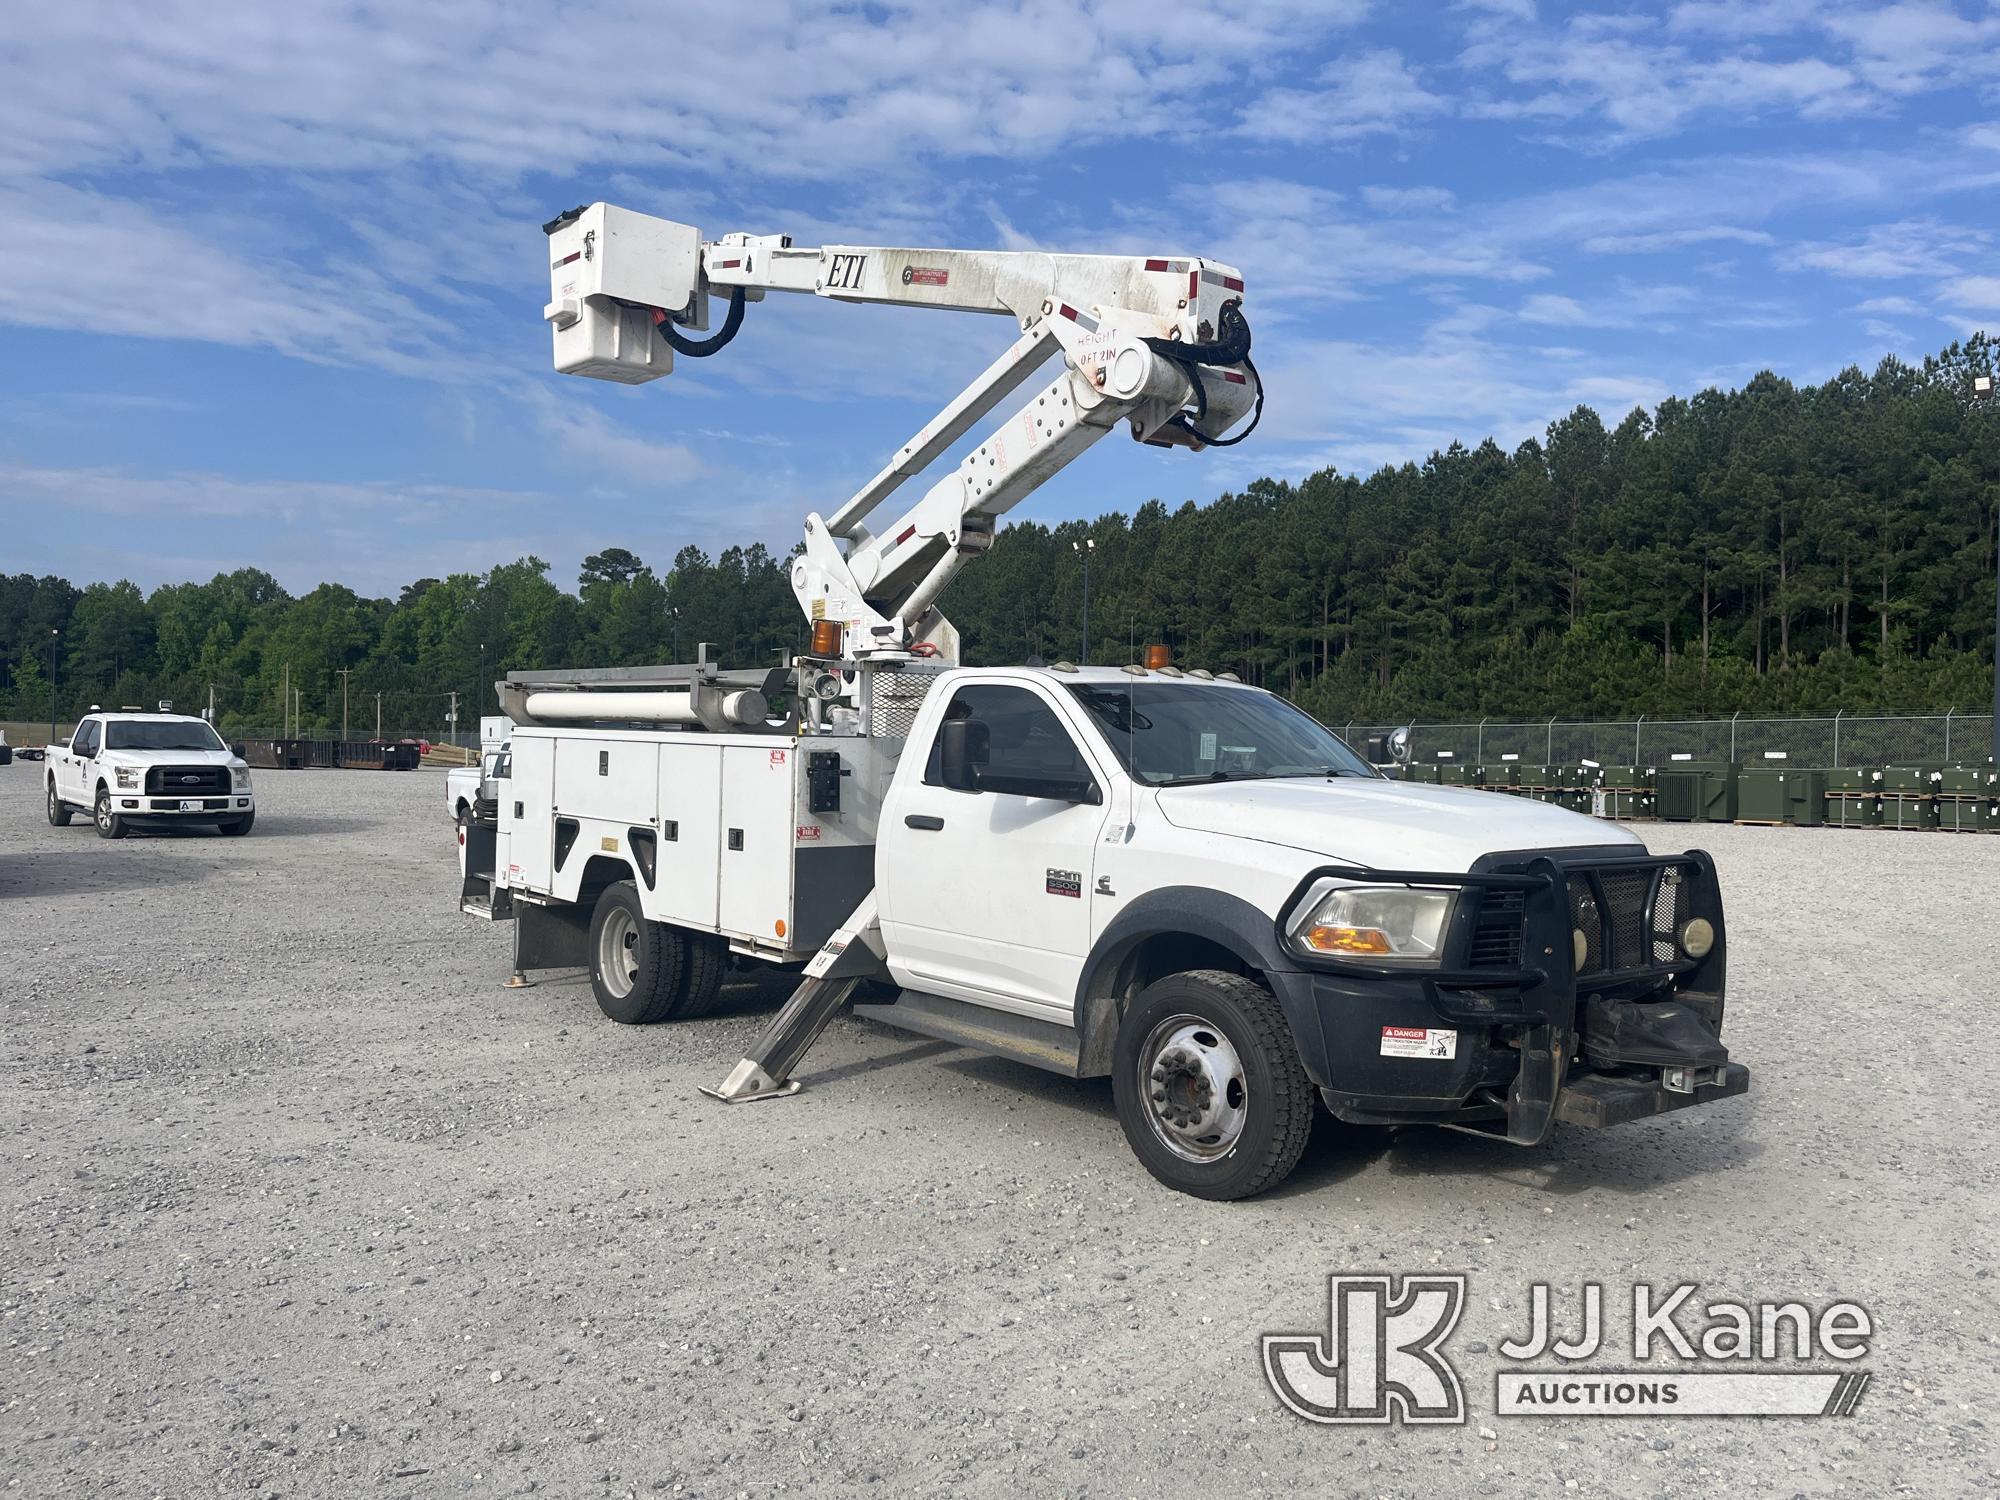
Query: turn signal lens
point(1347, 940)
point(1698, 937)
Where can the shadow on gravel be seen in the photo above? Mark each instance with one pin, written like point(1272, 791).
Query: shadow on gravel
point(87, 870)
point(315, 827)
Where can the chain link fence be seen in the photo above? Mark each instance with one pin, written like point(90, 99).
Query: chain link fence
point(1840, 739)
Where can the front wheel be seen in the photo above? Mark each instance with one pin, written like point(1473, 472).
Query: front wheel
point(237, 827)
point(1210, 1090)
point(635, 964)
point(109, 824)
point(58, 809)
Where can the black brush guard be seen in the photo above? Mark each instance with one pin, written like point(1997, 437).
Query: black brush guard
point(1632, 1032)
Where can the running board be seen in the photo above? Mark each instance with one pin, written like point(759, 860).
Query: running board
point(1023, 1039)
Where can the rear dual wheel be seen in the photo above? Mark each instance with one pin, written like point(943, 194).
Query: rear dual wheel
point(643, 971)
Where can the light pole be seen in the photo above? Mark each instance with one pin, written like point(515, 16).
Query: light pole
point(1083, 550)
point(53, 634)
point(1982, 391)
point(479, 687)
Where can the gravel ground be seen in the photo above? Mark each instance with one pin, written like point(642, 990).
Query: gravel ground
point(300, 1201)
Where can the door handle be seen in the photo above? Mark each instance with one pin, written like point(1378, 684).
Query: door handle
point(924, 821)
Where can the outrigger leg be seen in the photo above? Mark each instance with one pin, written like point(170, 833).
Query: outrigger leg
point(843, 961)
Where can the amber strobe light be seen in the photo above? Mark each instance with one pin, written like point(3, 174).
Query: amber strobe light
point(826, 638)
point(1158, 657)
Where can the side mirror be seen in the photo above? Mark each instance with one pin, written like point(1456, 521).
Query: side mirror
point(236, 748)
point(964, 745)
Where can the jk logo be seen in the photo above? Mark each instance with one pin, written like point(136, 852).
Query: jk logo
point(1379, 1359)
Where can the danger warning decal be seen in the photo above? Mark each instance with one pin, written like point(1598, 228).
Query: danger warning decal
point(1419, 1041)
point(925, 276)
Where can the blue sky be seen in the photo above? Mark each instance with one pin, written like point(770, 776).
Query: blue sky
point(271, 276)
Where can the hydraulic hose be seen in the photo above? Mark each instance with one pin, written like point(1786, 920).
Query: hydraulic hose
point(1230, 347)
point(680, 343)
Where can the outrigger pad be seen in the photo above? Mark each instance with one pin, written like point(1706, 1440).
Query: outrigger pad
point(1660, 1034)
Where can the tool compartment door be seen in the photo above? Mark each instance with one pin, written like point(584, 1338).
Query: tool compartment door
point(690, 803)
point(527, 817)
point(754, 890)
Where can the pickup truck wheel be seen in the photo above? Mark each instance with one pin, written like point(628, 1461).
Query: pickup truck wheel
point(707, 959)
point(109, 824)
point(237, 827)
point(58, 809)
point(1209, 1087)
point(635, 965)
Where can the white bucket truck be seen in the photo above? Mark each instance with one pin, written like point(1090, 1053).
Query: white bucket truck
point(1163, 876)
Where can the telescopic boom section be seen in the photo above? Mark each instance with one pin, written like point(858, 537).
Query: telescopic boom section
point(1159, 342)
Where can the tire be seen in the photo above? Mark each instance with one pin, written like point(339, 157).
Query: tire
point(635, 965)
point(1210, 1090)
point(236, 827)
point(707, 962)
point(59, 810)
point(109, 824)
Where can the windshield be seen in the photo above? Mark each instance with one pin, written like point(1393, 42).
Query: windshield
point(1180, 733)
point(159, 734)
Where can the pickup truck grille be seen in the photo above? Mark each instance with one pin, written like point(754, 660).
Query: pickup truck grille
point(1627, 918)
point(186, 781)
point(1496, 933)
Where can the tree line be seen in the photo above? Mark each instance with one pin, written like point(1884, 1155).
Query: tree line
point(1775, 548)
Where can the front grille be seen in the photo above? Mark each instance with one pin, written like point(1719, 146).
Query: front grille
point(1626, 920)
point(1496, 934)
point(186, 781)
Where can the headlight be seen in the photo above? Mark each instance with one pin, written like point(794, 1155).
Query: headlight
point(242, 777)
point(128, 778)
point(1387, 923)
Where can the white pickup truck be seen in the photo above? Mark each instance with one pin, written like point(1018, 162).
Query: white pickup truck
point(1187, 884)
point(1166, 877)
point(135, 770)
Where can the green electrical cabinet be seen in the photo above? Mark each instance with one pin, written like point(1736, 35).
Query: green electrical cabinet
point(1626, 792)
point(1965, 798)
point(1854, 798)
point(1781, 794)
point(1696, 791)
point(1909, 795)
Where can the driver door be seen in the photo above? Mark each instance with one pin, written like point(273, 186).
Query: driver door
point(986, 895)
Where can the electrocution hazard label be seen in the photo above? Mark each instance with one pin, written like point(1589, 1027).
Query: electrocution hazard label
point(1419, 1041)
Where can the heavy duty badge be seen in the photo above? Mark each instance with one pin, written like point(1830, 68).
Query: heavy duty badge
point(1065, 883)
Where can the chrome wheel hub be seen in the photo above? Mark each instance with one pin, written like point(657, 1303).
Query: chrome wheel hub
point(618, 953)
point(1196, 1099)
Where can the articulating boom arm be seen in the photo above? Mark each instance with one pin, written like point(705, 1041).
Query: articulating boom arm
point(1159, 342)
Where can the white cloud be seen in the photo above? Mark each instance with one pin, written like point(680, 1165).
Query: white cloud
point(119, 266)
point(1372, 93)
point(1550, 307)
point(1673, 239)
point(1895, 307)
point(1406, 200)
point(1910, 247)
point(1976, 296)
point(789, 88)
